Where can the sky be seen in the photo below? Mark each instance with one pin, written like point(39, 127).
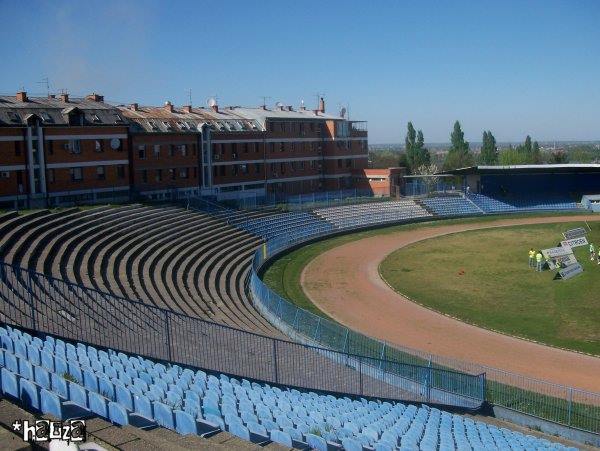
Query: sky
point(512, 67)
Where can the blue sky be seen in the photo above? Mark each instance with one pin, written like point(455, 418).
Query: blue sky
point(514, 67)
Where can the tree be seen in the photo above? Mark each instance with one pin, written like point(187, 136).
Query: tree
point(416, 153)
point(459, 155)
point(430, 170)
point(536, 153)
point(559, 157)
point(489, 150)
point(527, 147)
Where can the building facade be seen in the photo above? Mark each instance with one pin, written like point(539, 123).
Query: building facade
point(56, 147)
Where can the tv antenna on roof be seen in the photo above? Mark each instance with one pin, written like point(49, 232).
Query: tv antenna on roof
point(264, 99)
point(279, 105)
point(189, 93)
point(46, 83)
point(319, 95)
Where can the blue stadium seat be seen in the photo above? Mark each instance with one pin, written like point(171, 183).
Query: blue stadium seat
point(281, 438)
point(42, 377)
point(29, 394)
point(163, 414)
point(77, 395)
point(97, 404)
point(184, 423)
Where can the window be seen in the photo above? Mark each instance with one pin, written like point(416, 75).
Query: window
point(142, 152)
point(98, 146)
point(183, 150)
point(244, 168)
point(195, 172)
point(45, 116)
point(100, 173)
point(18, 148)
point(50, 175)
point(215, 171)
point(74, 146)
point(144, 176)
point(222, 170)
point(255, 146)
point(171, 150)
point(158, 175)
point(121, 171)
point(282, 126)
point(313, 163)
point(293, 146)
point(5, 174)
point(14, 117)
point(293, 166)
point(312, 126)
point(50, 147)
point(76, 174)
point(95, 118)
point(156, 151)
point(281, 146)
point(183, 173)
point(272, 147)
point(168, 125)
point(172, 174)
point(302, 164)
point(282, 167)
point(118, 118)
point(153, 125)
point(257, 168)
point(234, 169)
point(246, 146)
point(348, 162)
point(339, 163)
point(271, 126)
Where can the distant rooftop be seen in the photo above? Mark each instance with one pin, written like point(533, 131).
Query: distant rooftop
point(526, 168)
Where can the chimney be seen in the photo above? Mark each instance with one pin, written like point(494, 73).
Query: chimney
point(289, 108)
point(22, 96)
point(321, 105)
point(187, 108)
point(51, 96)
point(133, 107)
point(215, 107)
point(302, 107)
point(169, 106)
point(64, 97)
point(95, 97)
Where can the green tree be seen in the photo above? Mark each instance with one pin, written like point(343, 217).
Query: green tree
point(558, 157)
point(459, 155)
point(527, 146)
point(489, 150)
point(536, 153)
point(416, 153)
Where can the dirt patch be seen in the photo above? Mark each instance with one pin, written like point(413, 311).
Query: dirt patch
point(344, 283)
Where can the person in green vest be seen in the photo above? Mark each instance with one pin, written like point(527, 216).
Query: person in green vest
point(592, 252)
point(531, 258)
point(539, 258)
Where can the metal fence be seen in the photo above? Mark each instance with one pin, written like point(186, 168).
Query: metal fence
point(45, 304)
point(565, 405)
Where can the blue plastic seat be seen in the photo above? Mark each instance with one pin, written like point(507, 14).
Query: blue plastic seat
point(281, 438)
point(29, 394)
point(11, 362)
point(316, 442)
point(90, 381)
point(163, 414)
point(33, 354)
point(25, 369)
point(117, 414)
point(97, 404)
point(42, 377)
point(47, 360)
point(185, 423)
point(75, 371)
point(20, 349)
point(78, 395)
point(143, 406)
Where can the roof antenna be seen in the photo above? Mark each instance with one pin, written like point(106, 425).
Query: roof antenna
point(189, 92)
point(45, 82)
point(264, 99)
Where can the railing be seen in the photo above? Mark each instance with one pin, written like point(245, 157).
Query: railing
point(47, 305)
point(565, 405)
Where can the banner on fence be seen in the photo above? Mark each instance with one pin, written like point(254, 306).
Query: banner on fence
point(575, 242)
point(557, 251)
point(570, 271)
point(574, 233)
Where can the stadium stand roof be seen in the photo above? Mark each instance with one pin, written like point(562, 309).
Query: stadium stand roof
point(525, 168)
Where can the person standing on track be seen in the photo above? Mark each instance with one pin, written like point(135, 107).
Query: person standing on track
point(539, 259)
point(531, 258)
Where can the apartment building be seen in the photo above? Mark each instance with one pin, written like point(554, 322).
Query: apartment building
point(93, 149)
point(56, 147)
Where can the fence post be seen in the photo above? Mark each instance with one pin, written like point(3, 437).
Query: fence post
point(570, 406)
point(168, 324)
point(275, 367)
point(360, 374)
point(317, 329)
point(428, 387)
point(381, 357)
point(345, 340)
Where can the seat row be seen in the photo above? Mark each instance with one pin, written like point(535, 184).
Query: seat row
point(169, 257)
point(70, 380)
point(451, 206)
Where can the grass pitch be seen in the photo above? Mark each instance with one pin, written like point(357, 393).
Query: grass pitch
point(482, 277)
